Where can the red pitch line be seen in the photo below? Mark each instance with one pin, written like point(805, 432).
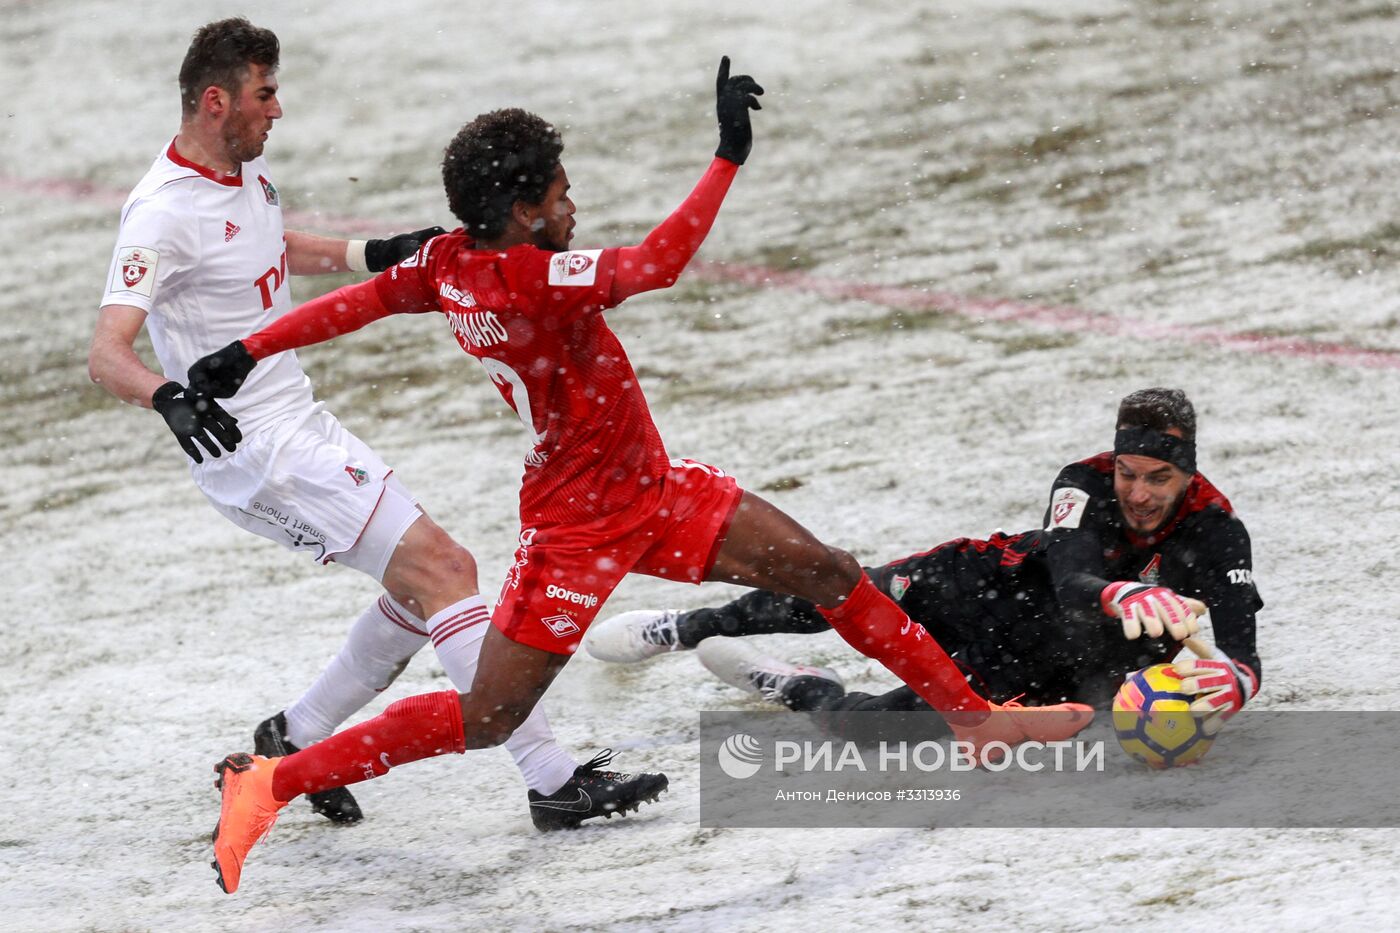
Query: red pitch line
point(903, 297)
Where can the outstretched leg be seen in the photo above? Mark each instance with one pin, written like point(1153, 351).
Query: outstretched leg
point(768, 549)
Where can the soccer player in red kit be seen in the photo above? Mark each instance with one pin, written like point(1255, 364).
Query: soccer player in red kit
point(600, 497)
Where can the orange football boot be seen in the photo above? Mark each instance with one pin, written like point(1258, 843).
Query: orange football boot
point(248, 812)
point(1012, 723)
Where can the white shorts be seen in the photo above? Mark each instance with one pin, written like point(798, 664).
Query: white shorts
point(311, 485)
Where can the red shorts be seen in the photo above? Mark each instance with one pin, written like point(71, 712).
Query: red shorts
point(564, 572)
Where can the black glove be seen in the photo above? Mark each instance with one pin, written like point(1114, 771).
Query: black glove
point(194, 417)
point(219, 374)
point(381, 254)
point(734, 98)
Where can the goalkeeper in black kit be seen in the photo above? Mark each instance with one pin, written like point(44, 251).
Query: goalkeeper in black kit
point(1135, 545)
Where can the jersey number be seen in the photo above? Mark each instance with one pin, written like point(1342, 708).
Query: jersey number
point(503, 375)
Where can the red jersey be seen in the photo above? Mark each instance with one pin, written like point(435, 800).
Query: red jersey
point(534, 320)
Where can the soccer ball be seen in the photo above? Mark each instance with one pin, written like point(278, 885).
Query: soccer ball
point(1154, 722)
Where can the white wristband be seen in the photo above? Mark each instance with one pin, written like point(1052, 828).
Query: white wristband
point(355, 255)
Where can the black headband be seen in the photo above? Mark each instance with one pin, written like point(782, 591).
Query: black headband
point(1145, 442)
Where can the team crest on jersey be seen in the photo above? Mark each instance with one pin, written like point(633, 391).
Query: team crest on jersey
point(358, 475)
point(579, 267)
point(898, 587)
point(135, 270)
point(1152, 573)
point(269, 191)
point(1067, 508)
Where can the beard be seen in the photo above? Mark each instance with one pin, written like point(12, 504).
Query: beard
point(242, 144)
point(541, 239)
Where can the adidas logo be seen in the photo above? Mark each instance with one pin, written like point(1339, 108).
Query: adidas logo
point(230, 230)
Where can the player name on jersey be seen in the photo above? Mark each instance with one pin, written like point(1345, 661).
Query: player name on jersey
point(479, 328)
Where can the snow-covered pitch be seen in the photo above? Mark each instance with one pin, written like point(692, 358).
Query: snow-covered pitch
point(1182, 193)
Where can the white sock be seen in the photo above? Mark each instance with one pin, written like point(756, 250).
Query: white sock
point(380, 643)
point(457, 633)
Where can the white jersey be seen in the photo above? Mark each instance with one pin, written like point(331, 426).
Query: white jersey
point(205, 256)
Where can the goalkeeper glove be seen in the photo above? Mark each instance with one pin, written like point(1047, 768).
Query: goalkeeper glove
point(193, 417)
point(1219, 687)
point(1151, 609)
point(734, 98)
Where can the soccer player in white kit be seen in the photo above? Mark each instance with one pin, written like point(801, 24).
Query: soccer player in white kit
point(201, 259)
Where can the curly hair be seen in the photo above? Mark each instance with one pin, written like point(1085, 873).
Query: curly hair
point(219, 56)
point(1159, 409)
point(495, 160)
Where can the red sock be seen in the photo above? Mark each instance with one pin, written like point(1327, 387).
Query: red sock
point(876, 627)
point(416, 727)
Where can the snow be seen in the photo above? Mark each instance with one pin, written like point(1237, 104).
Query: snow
point(1225, 166)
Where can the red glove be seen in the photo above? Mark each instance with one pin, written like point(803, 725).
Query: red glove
point(1220, 687)
point(1151, 609)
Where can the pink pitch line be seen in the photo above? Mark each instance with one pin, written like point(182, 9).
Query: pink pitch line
point(903, 297)
point(907, 298)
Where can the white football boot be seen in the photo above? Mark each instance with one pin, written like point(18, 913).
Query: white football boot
point(741, 665)
point(634, 636)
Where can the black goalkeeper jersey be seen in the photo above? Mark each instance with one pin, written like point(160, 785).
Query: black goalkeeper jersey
point(1022, 611)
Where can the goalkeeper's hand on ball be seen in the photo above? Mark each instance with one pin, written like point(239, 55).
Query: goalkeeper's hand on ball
point(1218, 687)
point(1154, 610)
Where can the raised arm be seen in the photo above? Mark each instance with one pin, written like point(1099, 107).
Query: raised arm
point(658, 261)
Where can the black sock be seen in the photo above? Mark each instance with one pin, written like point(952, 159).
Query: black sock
point(756, 613)
point(808, 694)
